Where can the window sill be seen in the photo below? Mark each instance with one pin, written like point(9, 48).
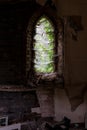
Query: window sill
point(51, 81)
point(52, 85)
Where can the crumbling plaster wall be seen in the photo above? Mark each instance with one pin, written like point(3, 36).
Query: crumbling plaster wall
point(75, 62)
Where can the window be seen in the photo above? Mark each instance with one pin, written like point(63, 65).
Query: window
point(44, 46)
point(44, 49)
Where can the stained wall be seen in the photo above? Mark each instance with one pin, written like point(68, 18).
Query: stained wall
point(75, 61)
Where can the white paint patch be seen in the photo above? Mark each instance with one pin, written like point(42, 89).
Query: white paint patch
point(12, 127)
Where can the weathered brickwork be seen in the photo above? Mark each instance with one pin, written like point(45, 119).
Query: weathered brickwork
point(13, 22)
point(16, 28)
point(17, 105)
point(46, 101)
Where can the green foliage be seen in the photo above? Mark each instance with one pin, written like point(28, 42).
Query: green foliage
point(44, 47)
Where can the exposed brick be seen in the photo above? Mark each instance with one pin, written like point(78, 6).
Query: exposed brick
point(46, 101)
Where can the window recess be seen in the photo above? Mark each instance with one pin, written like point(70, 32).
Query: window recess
point(44, 52)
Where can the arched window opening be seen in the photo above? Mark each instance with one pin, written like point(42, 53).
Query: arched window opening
point(44, 50)
point(44, 39)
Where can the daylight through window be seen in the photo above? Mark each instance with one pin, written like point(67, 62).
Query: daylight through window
point(44, 46)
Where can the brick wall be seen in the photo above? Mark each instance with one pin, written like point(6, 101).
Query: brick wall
point(13, 22)
point(17, 105)
point(46, 101)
